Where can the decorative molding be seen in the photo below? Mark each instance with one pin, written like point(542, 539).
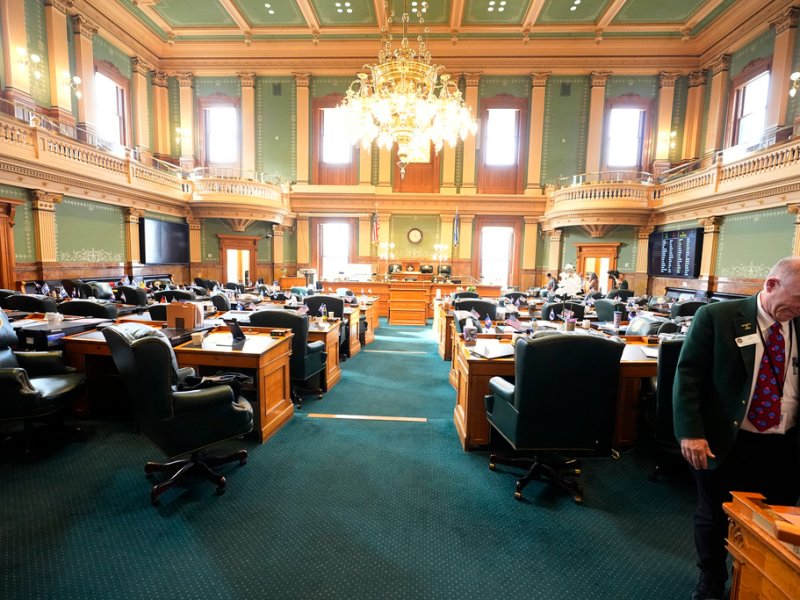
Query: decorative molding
point(599, 78)
point(185, 79)
point(44, 200)
point(83, 27)
point(710, 224)
point(139, 66)
point(160, 78)
point(787, 20)
point(539, 79)
point(239, 225)
point(302, 79)
point(697, 78)
point(643, 233)
point(668, 78)
point(132, 215)
point(598, 231)
point(247, 79)
point(472, 79)
point(721, 64)
point(60, 5)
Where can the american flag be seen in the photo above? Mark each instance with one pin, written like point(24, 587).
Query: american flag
point(63, 293)
point(122, 298)
point(475, 314)
point(375, 228)
point(456, 227)
point(513, 322)
point(124, 280)
point(45, 288)
point(488, 322)
point(323, 309)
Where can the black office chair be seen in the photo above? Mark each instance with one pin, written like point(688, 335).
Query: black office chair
point(89, 308)
point(619, 294)
point(483, 307)
point(5, 293)
point(221, 301)
point(100, 290)
point(606, 308)
point(394, 268)
point(71, 286)
point(578, 309)
point(128, 294)
point(158, 312)
point(687, 308)
point(595, 295)
point(645, 325)
point(232, 285)
point(426, 269)
point(664, 435)
point(462, 295)
point(178, 422)
point(308, 359)
point(333, 304)
point(553, 311)
point(514, 296)
point(33, 385)
point(30, 303)
point(553, 405)
point(444, 270)
point(171, 295)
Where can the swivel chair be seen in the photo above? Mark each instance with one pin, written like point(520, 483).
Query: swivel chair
point(128, 294)
point(335, 305)
point(220, 301)
point(606, 308)
point(553, 311)
point(171, 295)
point(89, 308)
point(30, 303)
point(460, 295)
point(444, 270)
point(5, 293)
point(308, 359)
point(158, 312)
point(687, 308)
point(552, 405)
point(595, 295)
point(578, 309)
point(619, 294)
point(299, 290)
point(177, 422)
point(232, 285)
point(33, 385)
point(664, 435)
point(483, 307)
point(514, 296)
point(645, 325)
point(71, 286)
point(395, 268)
point(100, 290)
point(426, 269)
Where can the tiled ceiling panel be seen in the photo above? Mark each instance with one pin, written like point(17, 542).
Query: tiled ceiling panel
point(271, 13)
point(586, 11)
point(495, 12)
point(344, 13)
point(435, 12)
point(648, 11)
point(197, 13)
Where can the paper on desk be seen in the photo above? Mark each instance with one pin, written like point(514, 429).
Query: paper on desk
point(650, 352)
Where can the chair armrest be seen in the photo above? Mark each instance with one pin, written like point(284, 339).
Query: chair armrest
point(184, 372)
point(17, 375)
point(191, 400)
point(39, 364)
point(315, 347)
point(501, 388)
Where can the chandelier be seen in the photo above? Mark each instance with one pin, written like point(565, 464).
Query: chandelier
point(405, 100)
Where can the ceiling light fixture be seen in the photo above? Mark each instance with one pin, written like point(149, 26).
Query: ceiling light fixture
point(405, 100)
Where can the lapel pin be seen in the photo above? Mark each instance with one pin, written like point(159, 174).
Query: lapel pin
point(747, 326)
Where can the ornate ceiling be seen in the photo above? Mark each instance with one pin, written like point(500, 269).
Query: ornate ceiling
point(340, 35)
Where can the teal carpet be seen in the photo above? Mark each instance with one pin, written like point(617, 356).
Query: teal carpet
point(334, 508)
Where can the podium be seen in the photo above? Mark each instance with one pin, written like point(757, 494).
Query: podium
point(765, 546)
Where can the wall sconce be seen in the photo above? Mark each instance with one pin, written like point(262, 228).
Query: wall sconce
point(29, 61)
point(440, 252)
point(795, 77)
point(672, 137)
point(73, 83)
point(179, 135)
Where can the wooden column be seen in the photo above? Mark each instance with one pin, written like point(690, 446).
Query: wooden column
point(446, 235)
point(694, 115)
point(139, 94)
point(365, 166)
point(82, 33)
point(782, 57)
point(196, 245)
point(465, 236)
point(554, 258)
point(58, 56)
point(536, 135)
point(248, 85)
point(161, 138)
point(303, 126)
point(666, 100)
point(133, 257)
point(597, 108)
point(642, 247)
point(470, 144)
point(303, 242)
point(44, 228)
point(385, 169)
point(364, 236)
point(8, 263)
point(717, 108)
point(530, 237)
point(795, 210)
point(277, 251)
point(17, 76)
point(708, 262)
point(186, 83)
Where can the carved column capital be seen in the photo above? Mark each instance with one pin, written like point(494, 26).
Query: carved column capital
point(83, 27)
point(466, 219)
point(710, 224)
point(531, 220)
point(185, 79)
point(132, 215)
point(139, 66)
point(60, 5)
point(160, 79)
point(599, 78)
point(540, 79)
point(194, 223)
point(643, 233)
point(788, 20)
point(278, 231)
point(554, 235)
point(472, 79)
point(45, 201)
point(247, 79)
point(668, 78)
point(721, 64)
point(302, 79)
point(697, 78)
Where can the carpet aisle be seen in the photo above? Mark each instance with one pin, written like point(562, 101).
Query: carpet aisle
point(334, 508)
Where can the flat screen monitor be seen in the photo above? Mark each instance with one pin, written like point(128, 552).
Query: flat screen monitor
point(163, 242)
point(675, 253)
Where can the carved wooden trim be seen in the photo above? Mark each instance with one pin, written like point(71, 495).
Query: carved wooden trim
point(668, 78)
point(83, 27)
point(302, 79)
point(540, 79)
point(697, 78)
point(599, 78)
point(45, 201)
point(247, 79)
point(788, 20)
point(185, 79)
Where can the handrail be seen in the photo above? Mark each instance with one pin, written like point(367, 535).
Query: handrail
point(238, 174)
point(620, 176)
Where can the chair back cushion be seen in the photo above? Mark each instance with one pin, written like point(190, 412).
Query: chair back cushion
point(686, 308)
point(8, 339)
point(645, 325)
point(459, 295)
point(482, 307)
point(668, 352)
point(565, 391)
point(102, 290)
point(31, 303)
point(132, 295)
point(171, 295)
point(606, 308)
point(290, 320)
point(621, 294)
point(333, 304)
point(88, 308)
point(220, 301)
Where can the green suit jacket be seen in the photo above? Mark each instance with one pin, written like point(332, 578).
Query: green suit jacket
point(714, 374)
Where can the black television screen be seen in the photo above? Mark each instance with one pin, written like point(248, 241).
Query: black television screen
point(675, 253)
point(163, 242)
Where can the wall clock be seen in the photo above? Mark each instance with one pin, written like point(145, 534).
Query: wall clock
point(414, 236)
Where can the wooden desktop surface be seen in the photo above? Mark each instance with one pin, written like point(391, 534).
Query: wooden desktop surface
point(470, 377)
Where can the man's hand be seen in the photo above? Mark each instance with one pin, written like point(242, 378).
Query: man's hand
point(697, 452)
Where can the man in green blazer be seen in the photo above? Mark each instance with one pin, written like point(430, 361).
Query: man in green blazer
point(738, 364)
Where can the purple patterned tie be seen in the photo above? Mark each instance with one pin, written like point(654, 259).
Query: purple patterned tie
point(765, 408)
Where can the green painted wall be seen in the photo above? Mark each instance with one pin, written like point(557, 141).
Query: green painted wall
point(399, 226)
point(72, 65)
point(760, 47)
point(566, 124)
point(208, 86)
point(626, 257)
point(36, 34)
point(794, 103)
point(104, 243)
point(24, 250)
point(322, 86)
point(209, 242)
point(678, 225)
point(542, 250)
point(644, 86)
point(174, 95)
point(678, 118)
point(105, 50)
point(276, 126)
point(290, 246)
point(167, 218)
point(489, 86)
point(704, 121)
point(742, 251)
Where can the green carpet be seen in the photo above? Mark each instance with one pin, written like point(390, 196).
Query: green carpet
point(341, 509)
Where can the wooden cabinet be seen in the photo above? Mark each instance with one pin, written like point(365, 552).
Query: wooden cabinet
point(408, 303)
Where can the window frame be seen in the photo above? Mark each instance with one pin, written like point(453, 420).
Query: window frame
point(216, 100)
point(316, 224)
point(496, 179)
point(637, 102)
point(516, 246)
point(747, 75)
point(110, 71)
point(328, 173)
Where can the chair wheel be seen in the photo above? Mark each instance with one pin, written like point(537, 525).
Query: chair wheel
point(517, 495)
point(243, 461)
point(220, 491)
point(492, 466)
point(578, 499)
point(576, 472)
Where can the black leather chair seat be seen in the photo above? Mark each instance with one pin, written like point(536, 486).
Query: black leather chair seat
point(47, 395)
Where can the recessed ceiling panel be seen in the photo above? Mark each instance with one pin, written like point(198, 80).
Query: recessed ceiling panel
point(344, 13)
point(495, 12)
point(197, 13)
point(574, 11)
point(435, 12)
point(648, 11)
point(271, 13)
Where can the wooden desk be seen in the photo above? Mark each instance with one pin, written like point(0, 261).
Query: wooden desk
point(470, 377)
point(763, 566)
point(353, 314)
point(373, 322)
point(267, 356)
point(328, 332)
point(443, 323)
point(408, 302)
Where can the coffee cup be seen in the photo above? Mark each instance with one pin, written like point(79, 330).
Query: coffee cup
point(570, 325)
point(586, 324)
point(53, 317)
point(617, 318)
point(331, 315)
point(197, 338)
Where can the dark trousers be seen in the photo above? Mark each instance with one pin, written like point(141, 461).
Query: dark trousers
point(763, 463)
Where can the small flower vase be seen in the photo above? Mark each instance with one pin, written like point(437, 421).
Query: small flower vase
point(569, 324)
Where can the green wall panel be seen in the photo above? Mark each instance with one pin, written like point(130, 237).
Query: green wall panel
point(542, 250)
point(105, 50)
point(760, 47)
point(742, 251)
point(104, 241)
point(794, 103)
point(208, 86)
point(290, 246)
point(36, 38)
point(644, 86)
point(566, 123)
point(174, 95)
point(704, 114)
point(627, 237)
point(399, 226)
point(276, 126)
point(678, 118)
point(515, 86)
point(24, 250)
point(167, 218)
point(677, 225)
point(209, 242)
point(322, 86)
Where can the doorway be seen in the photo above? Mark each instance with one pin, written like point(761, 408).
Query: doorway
point(237, 255)
point(598, 258)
